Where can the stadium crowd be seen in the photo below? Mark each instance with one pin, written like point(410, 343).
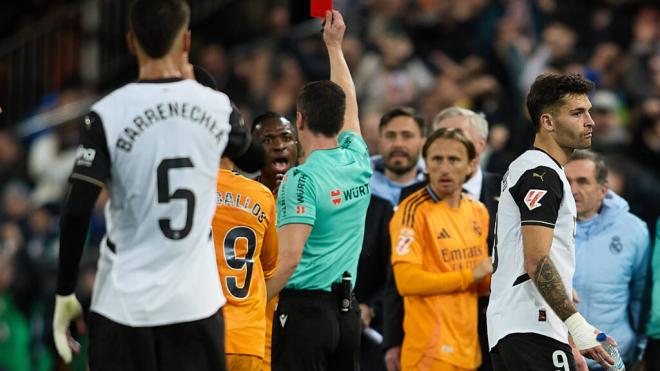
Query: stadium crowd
point(426, 54)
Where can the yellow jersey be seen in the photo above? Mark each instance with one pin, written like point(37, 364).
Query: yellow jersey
point(427, 232)
point(246, 249)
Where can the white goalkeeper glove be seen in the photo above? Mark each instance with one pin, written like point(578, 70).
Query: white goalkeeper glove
point(584, 334)
point(67, 308)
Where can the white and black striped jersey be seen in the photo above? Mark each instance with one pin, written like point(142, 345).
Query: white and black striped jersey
point(157, 145)
point(535, 191)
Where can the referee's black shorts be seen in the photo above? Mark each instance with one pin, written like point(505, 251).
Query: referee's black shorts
point(310, 333)
point(196, 345)
point(531, 352)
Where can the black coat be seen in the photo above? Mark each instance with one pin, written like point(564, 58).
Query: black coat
point(374, 257)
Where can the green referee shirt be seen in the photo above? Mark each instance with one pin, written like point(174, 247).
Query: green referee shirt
point(330, 192)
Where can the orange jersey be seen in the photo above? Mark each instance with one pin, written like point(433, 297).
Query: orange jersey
point(444, 242)
point(246, 253)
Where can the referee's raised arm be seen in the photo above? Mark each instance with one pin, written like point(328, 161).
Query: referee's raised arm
point(333, 35)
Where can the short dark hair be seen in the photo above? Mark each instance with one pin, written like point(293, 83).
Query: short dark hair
point(263, 117)
point(454, 134)
point(549, 90)
point(401, 111)
point(155, 23)
point(596, 158)
point(323, 105)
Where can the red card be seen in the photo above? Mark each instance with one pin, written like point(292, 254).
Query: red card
point(318, 7)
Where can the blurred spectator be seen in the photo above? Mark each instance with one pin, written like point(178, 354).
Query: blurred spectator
point(51, 159)
point(636, 185)
point(392, 77)
point(353, 50)
point(14, 327)
point(253, 74)
point(609, 134)
point(642, 77)
point(51, 156)
point(609, 239)
point(19, 287)
point(645, 148)
point(607, 66)
point(15, 201)
point(41, 244)
point(287, 80)
point(13, 165)
point(555, 52)
point(214, 59)
point(16, 205)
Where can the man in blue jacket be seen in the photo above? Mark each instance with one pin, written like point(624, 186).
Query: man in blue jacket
point(612, 249)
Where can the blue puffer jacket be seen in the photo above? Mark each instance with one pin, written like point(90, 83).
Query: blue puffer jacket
point(612, 251)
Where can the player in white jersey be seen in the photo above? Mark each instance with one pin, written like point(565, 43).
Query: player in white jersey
point(156, 145)
point(531, 315)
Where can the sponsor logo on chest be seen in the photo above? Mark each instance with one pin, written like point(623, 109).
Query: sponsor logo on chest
point(357, 192)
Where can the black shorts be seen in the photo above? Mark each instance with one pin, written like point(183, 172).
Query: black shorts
point(196, 345)
point(310, 333)
point(531, 352)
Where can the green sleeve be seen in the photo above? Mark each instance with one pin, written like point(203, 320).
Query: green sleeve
point(353, 142)
point(296, 199)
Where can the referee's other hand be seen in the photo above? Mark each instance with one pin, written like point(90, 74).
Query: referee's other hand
point(333, 29)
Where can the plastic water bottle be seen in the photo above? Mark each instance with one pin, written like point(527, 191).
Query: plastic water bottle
point(612, 351)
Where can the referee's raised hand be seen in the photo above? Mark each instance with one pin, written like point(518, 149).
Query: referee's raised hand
point(333, 29)
point(333, 35)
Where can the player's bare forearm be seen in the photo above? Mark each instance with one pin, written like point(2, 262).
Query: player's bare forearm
point(276, 284)
point(281, 277)
point(537, 242)
point(549, 283)
point(339, 73)
point(292, 239)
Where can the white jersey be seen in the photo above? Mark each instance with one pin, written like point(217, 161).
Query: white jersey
point(163, 140)
point(535, 191)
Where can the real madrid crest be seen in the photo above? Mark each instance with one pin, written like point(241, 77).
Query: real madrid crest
point(476, 227)
point(615, 245)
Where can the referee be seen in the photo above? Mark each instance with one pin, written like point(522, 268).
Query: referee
point(321, 211)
